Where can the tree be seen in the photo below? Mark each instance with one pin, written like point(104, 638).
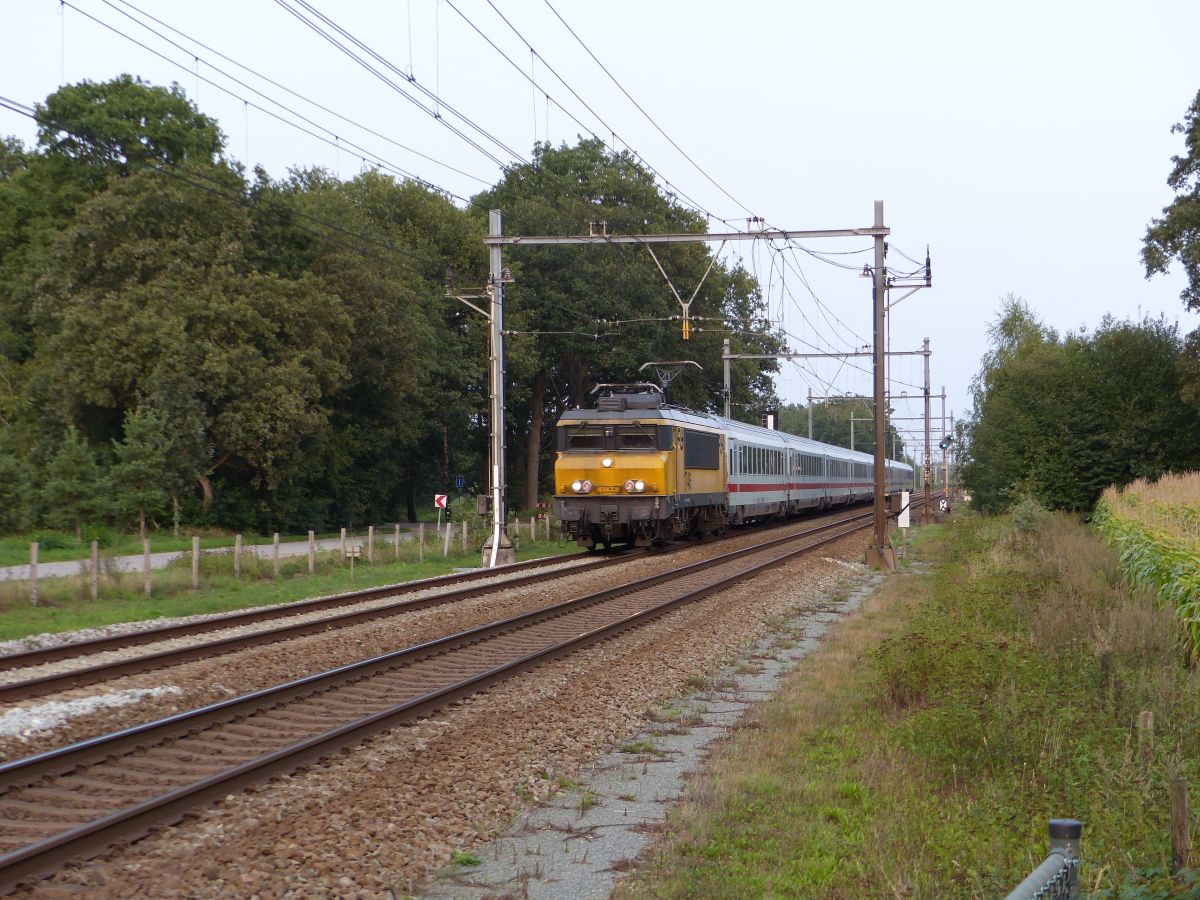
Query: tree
point(1062, 419)
point(140, 475)
point(150, 286)
point(126, 123)
point(71, 486)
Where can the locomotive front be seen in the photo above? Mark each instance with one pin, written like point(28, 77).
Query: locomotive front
point(611, 477)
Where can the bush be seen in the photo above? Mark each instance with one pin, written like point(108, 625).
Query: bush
point(1028, 515)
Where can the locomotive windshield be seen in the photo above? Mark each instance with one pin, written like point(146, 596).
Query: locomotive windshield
point(632, 436)
point(637, 437)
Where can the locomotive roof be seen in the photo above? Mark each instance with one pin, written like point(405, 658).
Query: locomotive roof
point(740, 430)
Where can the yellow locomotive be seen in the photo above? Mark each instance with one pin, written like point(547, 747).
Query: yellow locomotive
point(636, 471)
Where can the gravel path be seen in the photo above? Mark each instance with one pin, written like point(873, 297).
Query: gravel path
point(378, 819)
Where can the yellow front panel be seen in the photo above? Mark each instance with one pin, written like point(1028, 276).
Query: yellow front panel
point(649, 467)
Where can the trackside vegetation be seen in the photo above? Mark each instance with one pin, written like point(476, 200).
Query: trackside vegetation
point(921, 751)
point(1156, 528)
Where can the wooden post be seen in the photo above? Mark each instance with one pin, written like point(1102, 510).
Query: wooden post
point(370, 543)
point(195, 563)
point(275, 554)
point(464, 535)
point(420, 542)
point(237, 556)
point(547, 527)
point(1181, 822)
point(343, 541)
point(397, 543)
point(146, 566)
point(1145, 733)
point(95, 569)
point(33, 554)
point(312, 553)
point(446, 546)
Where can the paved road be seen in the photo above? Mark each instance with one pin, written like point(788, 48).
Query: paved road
point(67, 568)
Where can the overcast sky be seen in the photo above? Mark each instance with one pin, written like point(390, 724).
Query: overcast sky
point(1026, 143)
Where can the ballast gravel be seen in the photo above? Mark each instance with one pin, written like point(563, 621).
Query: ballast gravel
point(379, 819)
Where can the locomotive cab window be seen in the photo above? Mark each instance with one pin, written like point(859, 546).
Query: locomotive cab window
point(637, 437)
point(581, 437)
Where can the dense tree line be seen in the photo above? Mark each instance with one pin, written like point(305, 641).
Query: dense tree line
point(182, 339)
point(1060, 418)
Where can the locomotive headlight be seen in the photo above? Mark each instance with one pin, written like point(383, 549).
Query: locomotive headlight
point(639, 485)
point(630, 486)
point(606, 462)
point(577, 486)
point(586, 487)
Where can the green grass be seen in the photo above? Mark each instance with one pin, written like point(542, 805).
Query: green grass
point(922, 751)
point(66, 604)
point(55, 546)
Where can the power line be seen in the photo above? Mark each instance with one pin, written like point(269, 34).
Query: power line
point(691, 201)
point(408, 79)
point(336, 142)
point(281, 87)
point(649, 118)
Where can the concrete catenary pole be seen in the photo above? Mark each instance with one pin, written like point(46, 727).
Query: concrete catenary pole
point(727, 379)
point(883, 555)
point(498, 549)
point(928, 507)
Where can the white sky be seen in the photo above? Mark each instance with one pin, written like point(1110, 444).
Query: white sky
point(1027, 143)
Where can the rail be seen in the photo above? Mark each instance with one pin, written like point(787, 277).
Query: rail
point(1057, 876)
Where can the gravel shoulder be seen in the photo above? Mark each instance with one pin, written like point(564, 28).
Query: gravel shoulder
point(380, 819)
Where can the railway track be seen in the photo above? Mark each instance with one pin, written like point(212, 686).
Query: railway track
point(97, 673)
point(77, 800)
point(94, 674)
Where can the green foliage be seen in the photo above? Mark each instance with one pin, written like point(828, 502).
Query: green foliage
point(1060, 419)
point(125, 123)
point(1176, 236)
point(1028, 515)
point(72, 488)
point(139, 477)
point(14, 494)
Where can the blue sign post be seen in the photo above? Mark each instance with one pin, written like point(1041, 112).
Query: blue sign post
point(460, 482)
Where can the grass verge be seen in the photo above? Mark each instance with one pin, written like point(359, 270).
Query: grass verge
point(921, 752)
point(65, 604)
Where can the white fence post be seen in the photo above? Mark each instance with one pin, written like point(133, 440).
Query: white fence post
point(195, 563)
point(312, 553)
point(146, 566)
point(275, 554)
point(370, 543)
point(33, 555)
point(397, 544)
point(95, 569)
point(343, 542)
point(237, 556)
point(421, 542)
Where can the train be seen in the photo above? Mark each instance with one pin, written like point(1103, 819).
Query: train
point(636, 470)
